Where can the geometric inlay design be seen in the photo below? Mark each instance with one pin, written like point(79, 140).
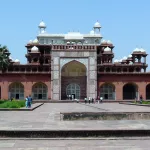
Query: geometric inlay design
point(61, 54)
point(56, 60)
point(56, 67)
point(92, 67)
point(92, 60)
point(56, 75)
point(55, 88)
point(55, 96)
point(92, 88)
point(92, 74)
point(86, 54)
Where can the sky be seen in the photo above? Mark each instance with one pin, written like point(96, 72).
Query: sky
point(125, 22)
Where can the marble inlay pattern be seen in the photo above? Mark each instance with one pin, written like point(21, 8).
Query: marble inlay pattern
point(56, 75)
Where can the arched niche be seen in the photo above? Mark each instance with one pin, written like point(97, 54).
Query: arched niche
point(107, 91)
point(16, 91)
point(130, 91)
point(39, 91)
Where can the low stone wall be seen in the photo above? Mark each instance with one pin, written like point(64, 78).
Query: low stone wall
point(105, 116)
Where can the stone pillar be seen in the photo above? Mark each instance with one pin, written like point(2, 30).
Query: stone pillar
point(4, 90)
point(119, 90)
point(142, 89)
point(55, 78)
point(48, 90)
point(27, 88)
point(92, 79)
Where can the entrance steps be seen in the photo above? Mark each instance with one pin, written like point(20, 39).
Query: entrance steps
point(91, 133)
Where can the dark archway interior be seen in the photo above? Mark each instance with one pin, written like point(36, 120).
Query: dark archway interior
point(148, 91)
point(129, 92)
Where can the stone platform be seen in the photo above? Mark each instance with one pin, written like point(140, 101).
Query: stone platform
point(47, 118)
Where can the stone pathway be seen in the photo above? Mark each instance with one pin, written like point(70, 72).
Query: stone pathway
point(74, 145)
point(47, 117)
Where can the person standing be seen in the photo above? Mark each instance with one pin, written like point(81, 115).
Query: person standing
point(26, 103)
point(30, 101)
point(141, 99)
point(89, 100)
point(101, 99)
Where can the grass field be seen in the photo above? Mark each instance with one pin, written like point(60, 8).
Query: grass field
point(12, 104)
point(143, 102)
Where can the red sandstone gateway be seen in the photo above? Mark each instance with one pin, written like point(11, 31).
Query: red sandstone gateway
point(75, 66)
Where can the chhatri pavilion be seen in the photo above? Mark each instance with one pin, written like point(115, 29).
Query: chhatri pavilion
point(77, 65)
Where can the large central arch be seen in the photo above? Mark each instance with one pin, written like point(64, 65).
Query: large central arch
point(73, 79)
point(130, 91)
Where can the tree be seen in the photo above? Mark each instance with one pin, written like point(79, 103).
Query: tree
point(4, 58)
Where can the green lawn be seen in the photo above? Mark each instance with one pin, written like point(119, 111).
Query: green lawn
point(12, 104)
point(143, 102)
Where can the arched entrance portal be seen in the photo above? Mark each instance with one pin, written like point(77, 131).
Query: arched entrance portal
point(39, 91)
point(107, 91)
point(148, 91)
point(73, 90)
point(73, 80)
point(16, 90)
point(130, 91)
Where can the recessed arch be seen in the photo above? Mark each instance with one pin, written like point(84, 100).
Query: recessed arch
point(107, 69)
point(130, 91)
point(148, 91)
point(107, 91)
point(73, 80)
point(39, 91)
point(73, 68)
point(16, 90)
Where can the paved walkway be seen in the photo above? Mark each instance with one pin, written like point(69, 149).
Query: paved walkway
point(48, 117)
point(75, 145)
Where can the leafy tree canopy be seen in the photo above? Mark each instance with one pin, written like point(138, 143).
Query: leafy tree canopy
point(4, 57)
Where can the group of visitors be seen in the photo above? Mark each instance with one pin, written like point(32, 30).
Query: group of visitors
point(28, 101)
point(92, 100)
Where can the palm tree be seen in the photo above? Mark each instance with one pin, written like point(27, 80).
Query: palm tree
point(4, 58)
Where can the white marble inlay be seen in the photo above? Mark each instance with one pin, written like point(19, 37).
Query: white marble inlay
point(92, 74)
point(55, 88)
point(56, 59)
point(56, 75)
point(92, 60)
point(86, 54)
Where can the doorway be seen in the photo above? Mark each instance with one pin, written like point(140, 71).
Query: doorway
point(73, 89)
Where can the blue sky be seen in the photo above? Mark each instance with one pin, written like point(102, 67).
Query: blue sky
point(125, 22)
